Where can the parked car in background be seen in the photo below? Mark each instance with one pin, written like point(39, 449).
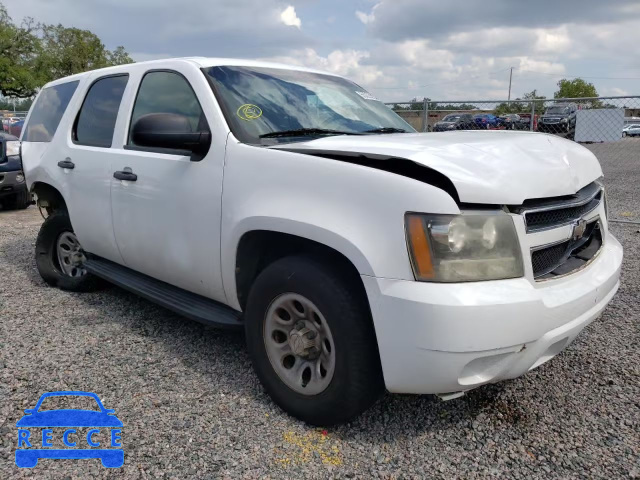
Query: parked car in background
point(455, 121)
point(486, 120)
point(15, 128)
point(13, 188)
point(631, 130)
point(356, 253)
point(559, 118)
point(510, 121)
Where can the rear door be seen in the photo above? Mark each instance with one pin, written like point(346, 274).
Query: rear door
point(86, 162)
point(167, 221)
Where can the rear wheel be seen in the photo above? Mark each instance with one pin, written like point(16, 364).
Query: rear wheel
point(311, 341)
point(60, 257)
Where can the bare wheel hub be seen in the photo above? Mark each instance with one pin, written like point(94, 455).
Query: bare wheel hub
point(299, 344)
point(304, 340)
point(70, 255)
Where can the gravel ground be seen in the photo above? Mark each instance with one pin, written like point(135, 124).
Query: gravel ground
point(192, 406)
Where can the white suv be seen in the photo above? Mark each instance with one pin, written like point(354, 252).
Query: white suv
point(356, 253)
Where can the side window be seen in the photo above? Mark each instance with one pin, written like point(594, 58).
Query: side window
point(97, 118)
point(47, 112)
point(167, 92)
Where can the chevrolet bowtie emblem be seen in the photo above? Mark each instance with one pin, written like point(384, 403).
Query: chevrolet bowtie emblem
point(578, 229)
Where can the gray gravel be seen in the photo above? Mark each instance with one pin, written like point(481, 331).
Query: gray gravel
point(621, 165)
point(192, 406)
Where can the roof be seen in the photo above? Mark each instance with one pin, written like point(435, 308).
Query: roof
point(199, 62)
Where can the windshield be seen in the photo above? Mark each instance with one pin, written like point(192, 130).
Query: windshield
point(262, 101)
point(558, 110)
point(451, 118)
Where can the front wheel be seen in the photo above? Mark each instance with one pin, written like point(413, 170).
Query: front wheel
point(311, 341)
point(624, 134)
point(60, 257)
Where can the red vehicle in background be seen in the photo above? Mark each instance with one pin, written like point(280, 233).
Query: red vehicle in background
point(525, 119)
point(15, 128)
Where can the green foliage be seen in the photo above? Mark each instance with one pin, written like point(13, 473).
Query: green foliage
point(18, 105)
point(67, 51)
point(576, 88)
point(520, 106)
point(33, 54)
point(119, 56)
point(19, 46)
point(416, 104)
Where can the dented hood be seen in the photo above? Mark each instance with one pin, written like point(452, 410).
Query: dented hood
point(496, 167)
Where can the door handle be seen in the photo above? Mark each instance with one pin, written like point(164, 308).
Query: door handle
point(67, 163)
point(125, 174)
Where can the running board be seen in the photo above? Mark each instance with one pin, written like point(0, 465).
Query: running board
point(188, 304)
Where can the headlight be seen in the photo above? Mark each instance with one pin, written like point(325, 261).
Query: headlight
point(564, 120)
point(19, 178)
point(463, 248)
point(451, 126)
point(13, 148)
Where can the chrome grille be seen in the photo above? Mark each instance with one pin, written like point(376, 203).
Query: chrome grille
point(555, 212)
point(568, 256)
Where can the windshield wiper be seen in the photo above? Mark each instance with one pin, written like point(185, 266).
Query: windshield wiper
point(387, 130)
point(306, 131)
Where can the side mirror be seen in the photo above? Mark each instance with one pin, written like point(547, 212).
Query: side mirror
point(171, 131)
point(29, 411)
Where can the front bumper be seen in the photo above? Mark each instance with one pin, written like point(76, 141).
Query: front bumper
point(9, 185)
point(440, 338)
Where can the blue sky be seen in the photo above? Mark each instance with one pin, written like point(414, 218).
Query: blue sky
point(397, 49)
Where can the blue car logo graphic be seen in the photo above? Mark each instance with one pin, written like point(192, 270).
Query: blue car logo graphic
point(33, 447)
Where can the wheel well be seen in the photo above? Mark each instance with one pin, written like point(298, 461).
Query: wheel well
point(258, 249)
point(49, 197)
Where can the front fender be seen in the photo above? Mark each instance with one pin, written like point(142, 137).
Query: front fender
point(356, 210)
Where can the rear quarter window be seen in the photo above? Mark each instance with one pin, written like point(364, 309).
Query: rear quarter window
point(47, 112)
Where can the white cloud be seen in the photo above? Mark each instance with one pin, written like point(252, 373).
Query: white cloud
point(365, 17)
point(348, 63)
point(540, 66)
point(554, 40)
point(289, 17)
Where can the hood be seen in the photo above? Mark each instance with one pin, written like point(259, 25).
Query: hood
point(69, 418)
point(493, 167)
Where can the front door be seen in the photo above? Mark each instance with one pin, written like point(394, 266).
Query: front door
point(167, 220)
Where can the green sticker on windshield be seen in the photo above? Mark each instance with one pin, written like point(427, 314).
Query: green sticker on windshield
point(249, 112)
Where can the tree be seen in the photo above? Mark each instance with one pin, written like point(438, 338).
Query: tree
point(576, 88)
point(17, 105)
point(32, 54)
point(537, 100)
point(119, 56)
point(19, 47)
point(66, 51)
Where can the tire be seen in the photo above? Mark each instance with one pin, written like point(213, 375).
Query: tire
point(22, 199)
point(47, 256)
point(356, 379)
point(624, 134)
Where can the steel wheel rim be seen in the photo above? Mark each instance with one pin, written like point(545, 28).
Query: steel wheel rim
point(299, 344)
point(70, 255)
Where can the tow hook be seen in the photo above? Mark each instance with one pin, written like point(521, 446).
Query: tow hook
point(449, 395)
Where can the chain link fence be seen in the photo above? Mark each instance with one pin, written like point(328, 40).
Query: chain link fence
point(585, 120)
point(608, 126)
